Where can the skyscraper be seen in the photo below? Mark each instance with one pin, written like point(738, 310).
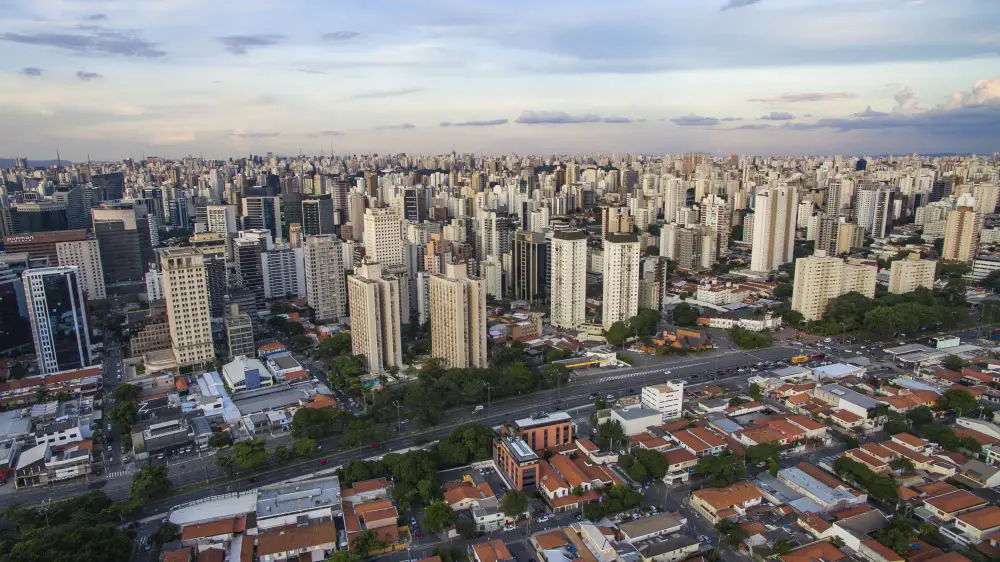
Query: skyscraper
point(569, 278)
point(57, 311)
point(529, 261)
point(185, 288)
point(77, 213)
point(112, 184)
point(326, 287)
point(382, 236)
point(375, 316)
point(85, 255)
point(458, 318)
point(621, 278)
point(263, 213)
point(317, 216)
point(249, 269)
point(716, 214)
point(15, 330)
point(961, 234)
point(616, 220)
point(40, 216)
point(125, 239)
point(774, 228)
point(222, 219)
point(873, 211)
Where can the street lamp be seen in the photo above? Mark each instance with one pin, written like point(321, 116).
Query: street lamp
point(399, 422)
point(489, 409)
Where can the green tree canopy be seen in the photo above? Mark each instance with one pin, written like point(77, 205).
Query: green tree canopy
point(438, 516)
point(958, 400)
point(618, 333)
point(685, 315)
point(513, 504)
point(722, 470)
point(150, 483)
point(250, 454)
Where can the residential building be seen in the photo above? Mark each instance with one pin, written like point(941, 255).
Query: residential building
point(326, 284)
point(382, 236)
point(185, 288)
point(530, 262)
point(716, 215)
point(239, 333)
point(516, 461)
point(820, 278)
point(263, 213)
point(908, 275)
point(375, 316)
point(458, 317)
point(569, 278)
point(86, 256)
point(317, 215)
point(873, 210)
point(621, 278)
point(60, 323)
point(774, 227)
point(221, 219)
point(961, 235)
point(284, 273)
point(717, 504)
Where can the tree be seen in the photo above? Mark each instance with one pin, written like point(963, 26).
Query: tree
point(123, 415)
point(63, 396)
point(722, 470)
point(438, 516)
point(617, 334)
point(781, 547)
point(791, 317)
point(250, 454)
point(755, 392)
point(304, 447)
point(578, 490)
point(219, 439)
point(599, 403)
point(773, 467)
point(513, 504)
point(783, 291)
point(344, 556)
point(644, 323)
point(294, 329)
point(954, 363)
point(302, 342)
point(992, 281)
point(920, 416)
point(957, 399)
point(337, 344)
point(763, 452)
point(732, 534)
point(283, 455)
point(465, 527)
point(653, 461)
point(127, 393)
point(166, 533)
point(747, 339)
point(685, 315)
point(902, 464)
point(18, 370)
point(609, 433)
point(367, 541)
point(638, 473)
point(226, 463)
point(150, 483)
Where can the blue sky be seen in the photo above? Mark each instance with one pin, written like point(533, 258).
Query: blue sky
point(117, 78)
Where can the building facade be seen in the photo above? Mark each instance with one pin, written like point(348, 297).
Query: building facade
point(569, 278)
point(185, 288)
point(621, 278)
point(774, 228)
point(375, 317)
point(910, 274)
point(85, 255)
point(57, 311)
point(458, 318)
point(326, 286)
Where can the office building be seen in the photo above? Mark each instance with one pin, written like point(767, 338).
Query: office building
point(569, 278)
point(249, 268)
point(218, 281)
point(326, 286)
point(458, 317)
point(942, 188)
point(621, 278)
point(85, 255)
point(666, 398)
point(284, 273)
point(77, 211)
point(820, 278)
point(239, 333)
point(414, 204)
point(112, 185)
point(375, 317)
point(40, 216)
point(263, 213)
point(121, 229)
point(15, 330)
point(530, 261)
point(185, 288)
point(873, 211)
point(908, 275)
point(221, 219)
point(961, 235)
point(774, 228)
point(317, 215)
point(382, 237)
point(42, 244)
point(60, 323)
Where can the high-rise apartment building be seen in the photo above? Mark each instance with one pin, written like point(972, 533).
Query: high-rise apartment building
point(961, 234)
point(774, 228)
point(530, 261)
point(382, 236)
point(414, 204)
point(621, 278)
point(908, 275)
point(716, 214)
point(569, 278)
point(60, 323)
point(666, 398)
point(820, 278)
point(85, 255)
point(375, 317)
point(326, 286)
point(873, 211)
point(222, 219)
point(284, 273)
point(616, 220)
point(185, 288)
point(239, 333)
point(458, 317)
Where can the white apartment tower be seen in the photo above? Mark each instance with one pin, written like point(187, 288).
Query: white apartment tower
point(621, 278)
point(375, 322)
point(189, 317)
point(458, 318)
point(382, 236)
point(569, 278)
point(774, 228)
point(716, 214)
point(86, 255)
point(326, 287)
point(910, 274)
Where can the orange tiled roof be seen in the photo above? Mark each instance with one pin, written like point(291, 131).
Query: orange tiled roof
point(816, 551)
point(982, 519)
point(955, 501)
point(737, 493)
point(492, 551)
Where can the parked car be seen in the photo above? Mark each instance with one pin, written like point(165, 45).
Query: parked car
point(324, 461)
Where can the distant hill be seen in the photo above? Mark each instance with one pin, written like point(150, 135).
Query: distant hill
point(9, 162)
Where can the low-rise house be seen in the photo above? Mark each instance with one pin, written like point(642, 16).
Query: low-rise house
point(973, 527)
point(491, 551)
point(700, 441)
point(816, 551)
point(668, 549)
point(978, 474)
point(481, 502)
point(220, 531)
point(847, 419)
point(680, 462)
point(366, 491)
point(71, 462)
point(650, 527)
point(30, 469)
point(316, 541)
point(952, 504)
point(636, 420)
point(717, 504)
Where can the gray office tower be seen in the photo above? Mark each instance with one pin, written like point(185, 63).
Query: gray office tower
point(41, 216)
point(121, 228)
point(59, 323)
point(263, 213)
point(339, 190)
point(215, 267)
point(15, 330)
point(317, 215)
point(77, 212)
point(113, 185)
point(249, 269)
point(291, 210)
point(414, 204)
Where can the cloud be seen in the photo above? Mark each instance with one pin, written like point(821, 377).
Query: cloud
point(806, 97)
point(384, 94)
point(326, 133)
point(692, 120)
point(754, 127)
point(778, 116)
point(982, 91)
point(339, 35)
point(254, 134)
point(906, 100)
point(32, 71)
point(401, 126)
point(96, 17)
point(739, 4)
point(490, 123)
point(91, 41)
point(563, 118)
point(869, 112)
point(310, 71)
point(241, 44)
point(88, 76)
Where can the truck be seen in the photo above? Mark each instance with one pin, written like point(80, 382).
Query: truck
point(799, 359)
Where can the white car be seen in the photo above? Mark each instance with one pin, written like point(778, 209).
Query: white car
point(509, 527)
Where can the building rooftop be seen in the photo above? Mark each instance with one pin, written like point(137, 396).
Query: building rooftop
point(836, 370)
point(850, 395)
point(284, 361)
point(648, 525)
point(636, 413)
point(521, 451)
point(541, 419)
point(826, 494)
point(292, 498)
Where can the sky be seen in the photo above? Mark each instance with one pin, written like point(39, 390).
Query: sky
point(125, 78)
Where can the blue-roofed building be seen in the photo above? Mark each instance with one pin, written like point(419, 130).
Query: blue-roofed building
point(246, 373)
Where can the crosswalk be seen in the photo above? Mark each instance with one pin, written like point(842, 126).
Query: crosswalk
point(116, 474)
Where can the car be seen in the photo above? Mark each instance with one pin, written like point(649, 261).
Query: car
point(706, 539)
point(509, 527)
point(324, 461)
point(413, 521)
point(109, 427)
point(419, 535)
point(666, 372)
point(577, 516)
point(543, 519)
point(373, 446)
point(611, 396)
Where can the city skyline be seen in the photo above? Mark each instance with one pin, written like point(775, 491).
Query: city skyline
point(116, 80)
